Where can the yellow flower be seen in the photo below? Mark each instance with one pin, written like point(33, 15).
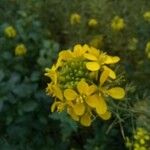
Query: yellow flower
point(115, 92)
point(10, 31)
point(92, 23)
point(79, 99)
point(146, 15)
point(97, 101)
point(98, 60)
point(20, 50)
point(75, 85)
point(117, 23)
point(75, 18)
point(147, 49)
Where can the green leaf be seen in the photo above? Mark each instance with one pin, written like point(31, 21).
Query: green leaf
point(29, 106)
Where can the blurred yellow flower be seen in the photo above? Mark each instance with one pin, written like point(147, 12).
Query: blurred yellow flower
point(10, 31)
point(73, 88)
point(20, 50)
point(92, 23)
point(147, 49)
point(146, 16)
point(117, 23)
point(75, 18)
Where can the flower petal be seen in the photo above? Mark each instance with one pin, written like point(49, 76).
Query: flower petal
point(111, 59)
point(54, 105)
point(70, 94)
point(92, 89)
point(71, 112)
point(83, 87)
point(65, 55)
point(90, 57)
point(57, 92)
point(101, 107)
point(78, 50)
point(92, 100)
point(79, 109)
point(58, 105)
point(92, 66)
point(104, 76)
point(106, 116)
point(112, 74)
point(86, 47)
point(94, 51)
point(86, 120)
point(116, 92)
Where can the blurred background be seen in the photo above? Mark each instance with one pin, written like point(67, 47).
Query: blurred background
point(32, 33)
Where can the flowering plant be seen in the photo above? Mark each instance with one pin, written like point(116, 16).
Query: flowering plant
point(81, 82)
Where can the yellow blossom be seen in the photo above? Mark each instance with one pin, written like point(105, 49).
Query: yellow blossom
point(10, 31)
point(75, 85)
point(75, 18)
point(92, 23)
point(146, 15)
point(98, 59)
point(20, 50)
point(117, 23)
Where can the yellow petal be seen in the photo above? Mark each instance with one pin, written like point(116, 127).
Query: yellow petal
point(79, 109)
point(86, 47)
point(92, 100)
point(116, 92)
point(104, 76)
point(86, 120)
point(70, 94)
point(95, 52)
point(111, 59)
point(71, 112)
point(92, 66)
point(65, 55)
point(90, 57)
point(78, 50)
point(83, 87)
point(112, 74)
point(57, 92)
point(106, 116)
point(92, 89)
point(53, 107)
point(58, 105)
point(101, 107)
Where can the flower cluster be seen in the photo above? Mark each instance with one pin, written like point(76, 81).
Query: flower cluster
point(141, 140)
point(20, 50)
point(10, 31)
point(75, 18)
point(117, 23)
point(81, 82)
